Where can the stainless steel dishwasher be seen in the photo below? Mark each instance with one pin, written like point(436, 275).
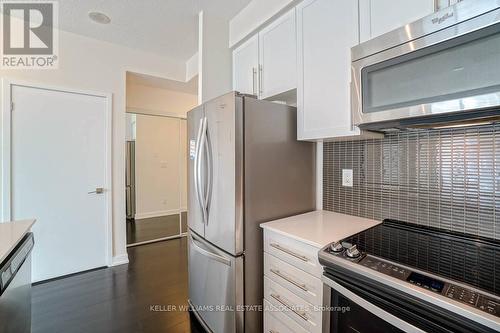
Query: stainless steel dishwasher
point(15, 288)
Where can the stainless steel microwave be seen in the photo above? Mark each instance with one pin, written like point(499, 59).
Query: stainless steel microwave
point(443, 70)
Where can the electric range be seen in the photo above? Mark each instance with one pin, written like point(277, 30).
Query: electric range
point(423, 279)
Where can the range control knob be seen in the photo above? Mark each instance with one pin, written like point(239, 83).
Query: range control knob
point(353, 252)
point(336, 247)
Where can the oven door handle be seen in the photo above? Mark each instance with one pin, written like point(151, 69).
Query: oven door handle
point(391, 319)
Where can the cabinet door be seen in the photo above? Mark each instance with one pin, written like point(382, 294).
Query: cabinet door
point(245, 67)
point(278, 48)
point(381, 16)
point(326, 31)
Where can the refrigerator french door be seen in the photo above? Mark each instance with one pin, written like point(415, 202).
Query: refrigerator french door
point(214, 212)
point(245, 167)
point(216, 168)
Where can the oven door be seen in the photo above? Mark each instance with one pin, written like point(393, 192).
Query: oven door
point(349, 312)
point(451, 73)
point(358, 304)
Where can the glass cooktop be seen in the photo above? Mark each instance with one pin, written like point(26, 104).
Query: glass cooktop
point(468, 259)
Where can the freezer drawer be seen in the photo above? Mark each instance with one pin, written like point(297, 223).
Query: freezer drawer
point(215, 286)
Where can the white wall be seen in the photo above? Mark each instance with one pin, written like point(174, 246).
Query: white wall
point(184, 165)
point(192, 67)
point(90, 64)
point(215, 57)
point(158, 156)
point(159, 101)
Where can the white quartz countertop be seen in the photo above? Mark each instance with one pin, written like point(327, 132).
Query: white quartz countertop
point(320, 227)
point(10, 235)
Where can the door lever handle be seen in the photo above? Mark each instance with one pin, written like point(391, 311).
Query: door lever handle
point(98, 190)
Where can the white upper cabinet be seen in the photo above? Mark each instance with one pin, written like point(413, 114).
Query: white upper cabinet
point(380, 16)
point(278, 63)
point(246, 66)
point(309, 49)
point(326, 31)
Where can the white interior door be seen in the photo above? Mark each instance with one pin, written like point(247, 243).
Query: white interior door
point(58, 156)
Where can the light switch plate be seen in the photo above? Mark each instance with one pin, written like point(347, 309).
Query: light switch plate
point(347, 177)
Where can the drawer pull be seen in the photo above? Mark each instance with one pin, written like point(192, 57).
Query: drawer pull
point(273, 331)
point(286, 278)
point(281, 248)
point(301, 314)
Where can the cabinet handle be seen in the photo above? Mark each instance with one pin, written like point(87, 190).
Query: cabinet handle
point(287, 251)
point(254, 80)
point(301, 314)
point(261, 71)
point(286, 278)
point(436, 5)
point(273, 331)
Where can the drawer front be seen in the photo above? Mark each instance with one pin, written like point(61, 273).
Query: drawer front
point(296, 280)
point(278, 322)
point(295, 307)
point(295, 253)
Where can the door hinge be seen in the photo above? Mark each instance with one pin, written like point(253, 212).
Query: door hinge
point(11, 106)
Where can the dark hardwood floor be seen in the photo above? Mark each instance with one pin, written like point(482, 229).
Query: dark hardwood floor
point(154, 228)
point(121, 298)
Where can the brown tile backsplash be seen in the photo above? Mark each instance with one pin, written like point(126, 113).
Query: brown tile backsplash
point(446, 178)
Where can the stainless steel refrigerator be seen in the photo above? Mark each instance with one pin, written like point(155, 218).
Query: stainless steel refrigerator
point(245, 167)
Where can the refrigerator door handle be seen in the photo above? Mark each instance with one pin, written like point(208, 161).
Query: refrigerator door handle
point(208, 254)
point(203, 196)
point(197, 167)
point(209, 179)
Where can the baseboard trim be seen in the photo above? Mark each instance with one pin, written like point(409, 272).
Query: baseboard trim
point(67, 275)
point(121, 259)
point(140, 216)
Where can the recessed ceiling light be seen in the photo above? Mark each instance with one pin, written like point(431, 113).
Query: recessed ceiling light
point(100, 18)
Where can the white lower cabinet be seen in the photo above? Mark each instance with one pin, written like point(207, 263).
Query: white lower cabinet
point(293, 290)
point(276, 321)
point(294, 279)
point(298, 254)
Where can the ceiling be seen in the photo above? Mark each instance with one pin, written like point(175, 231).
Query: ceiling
point(189, 87)
point(165, 27)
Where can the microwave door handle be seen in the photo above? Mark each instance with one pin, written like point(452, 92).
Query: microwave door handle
point(353, 86)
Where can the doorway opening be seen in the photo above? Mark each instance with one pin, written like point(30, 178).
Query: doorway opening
point(156, 157)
